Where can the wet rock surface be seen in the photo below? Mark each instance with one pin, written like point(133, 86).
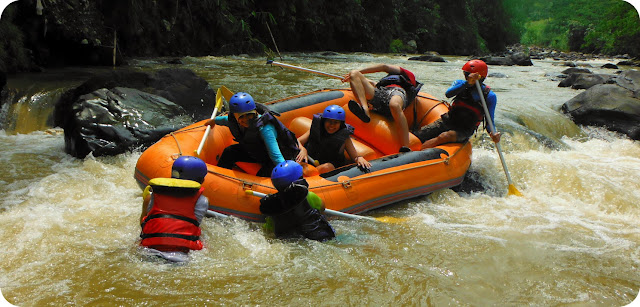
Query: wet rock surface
point(119, 111)
point(615, 106)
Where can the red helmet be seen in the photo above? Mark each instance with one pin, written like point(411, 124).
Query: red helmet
point(477, 66)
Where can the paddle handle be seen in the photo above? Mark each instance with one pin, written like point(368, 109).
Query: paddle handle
point(492, 129)
point(213, 116)
point(304, 69)
point(329, 211)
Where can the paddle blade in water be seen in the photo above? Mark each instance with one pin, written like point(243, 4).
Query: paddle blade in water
point(391, 220)
point(513, 190)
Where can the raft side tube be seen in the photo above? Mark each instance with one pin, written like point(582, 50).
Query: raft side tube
point(299, 102)
point(386, 162)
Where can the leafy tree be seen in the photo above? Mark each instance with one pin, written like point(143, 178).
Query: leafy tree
point(603, 26)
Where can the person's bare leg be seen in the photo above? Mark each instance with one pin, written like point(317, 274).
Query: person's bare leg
point(402, 129)
point(362, 89)
point(445, 137)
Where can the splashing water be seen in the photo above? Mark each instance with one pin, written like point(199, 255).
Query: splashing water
point(70, 227)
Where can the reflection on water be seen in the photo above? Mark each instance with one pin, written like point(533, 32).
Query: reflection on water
point(69, 227)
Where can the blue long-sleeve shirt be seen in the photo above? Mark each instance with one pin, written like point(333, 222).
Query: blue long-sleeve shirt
point(460, 85)
point(269, 136)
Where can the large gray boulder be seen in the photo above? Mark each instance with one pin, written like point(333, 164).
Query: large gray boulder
point(111, 122)
point(428, 58)
point(613, 106)
point(122, 110)
point(581, 81)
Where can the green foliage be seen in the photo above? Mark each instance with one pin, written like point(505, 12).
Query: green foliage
point(397, 46)
point(603, 26)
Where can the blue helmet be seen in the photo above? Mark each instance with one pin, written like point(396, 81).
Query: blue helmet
point(190, 168)
point(334, 112)
point(241, 102)
point(285, 173)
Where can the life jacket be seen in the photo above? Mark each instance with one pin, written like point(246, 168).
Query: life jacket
point(465, 110)
point(253, 143)
point(171, 224)
point(293, 215)
point(401, 80)
point(326, 147)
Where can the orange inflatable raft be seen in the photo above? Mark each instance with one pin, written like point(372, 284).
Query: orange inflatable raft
point(393, 176)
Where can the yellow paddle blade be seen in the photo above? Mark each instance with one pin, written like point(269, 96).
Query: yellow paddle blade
point(226, 92)
point(219, 99)
point(391, 219)
point(513, 190)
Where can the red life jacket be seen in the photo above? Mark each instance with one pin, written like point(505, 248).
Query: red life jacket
point(171, 224)
point(465, 100)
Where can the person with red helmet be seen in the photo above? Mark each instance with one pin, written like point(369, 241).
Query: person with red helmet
point(466, 111)
point(389, 96)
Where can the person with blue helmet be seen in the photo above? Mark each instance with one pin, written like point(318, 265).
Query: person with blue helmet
point(261, 137)
point(327, 139)
point(173, 210)
point(291, 207)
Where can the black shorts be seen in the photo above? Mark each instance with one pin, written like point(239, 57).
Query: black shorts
point(382, 96)
point(442, 125)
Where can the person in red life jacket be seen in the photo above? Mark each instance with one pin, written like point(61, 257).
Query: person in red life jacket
point(261, 137)
point(466, 112)
point(389, 96)
point(172, 212)
point(291, 207)
point(327, 139)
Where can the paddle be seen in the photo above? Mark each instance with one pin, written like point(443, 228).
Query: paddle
point(227, 93)
point(303, 69)
point(512, 188)
point(384, 219)
point(213, 116)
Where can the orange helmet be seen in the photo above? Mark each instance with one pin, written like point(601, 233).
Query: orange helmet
point(476, 66)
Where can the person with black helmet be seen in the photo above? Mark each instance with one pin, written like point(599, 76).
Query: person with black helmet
point(291, 207)
point(466, 112)
point(389, 96)
point(172, 210)
point(261, 137)
point(327, 139)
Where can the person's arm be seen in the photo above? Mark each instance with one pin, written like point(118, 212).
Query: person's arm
point(219, 120)
point(270, 138)
point(302, 155)
point(390, 69)
point(492, 102)
point(202, 205)
point(145, 207)
point(456, 87)
point(353, 154)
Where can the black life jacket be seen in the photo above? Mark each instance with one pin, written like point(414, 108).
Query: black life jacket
point(402, 81)
point(465, 110)
point(253, 143)
point(326, 147)
point(293, 215)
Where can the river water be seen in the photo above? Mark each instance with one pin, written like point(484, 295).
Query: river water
point(70, 227)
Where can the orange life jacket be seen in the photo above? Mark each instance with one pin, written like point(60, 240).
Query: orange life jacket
point(171, 224)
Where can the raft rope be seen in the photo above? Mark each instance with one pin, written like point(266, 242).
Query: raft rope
point(445, 161)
